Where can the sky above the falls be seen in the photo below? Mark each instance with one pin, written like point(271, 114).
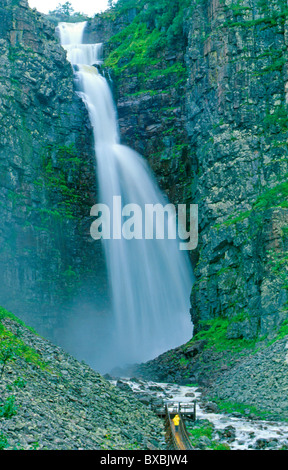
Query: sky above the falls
point(89, 7)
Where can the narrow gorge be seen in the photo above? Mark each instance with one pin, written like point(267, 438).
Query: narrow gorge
point(148, 103)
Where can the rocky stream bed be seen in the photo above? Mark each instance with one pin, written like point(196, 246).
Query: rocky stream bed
point(230, 431)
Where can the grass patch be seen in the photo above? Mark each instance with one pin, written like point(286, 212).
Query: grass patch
point(203, 428)
point(239, 218)
point(142, 43)
point(244, 409)
point(8, 408)
point(274, 197)
point(214, 333)
point(3, 441)
point(13, 347)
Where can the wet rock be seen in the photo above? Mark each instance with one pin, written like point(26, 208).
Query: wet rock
point(108, 377)
point(204, 442)
point(146, 399)
point(156, 388)
point(211, 407)
point(261, 443)
point(229, 433)
point(123, 386)
point(195, 348)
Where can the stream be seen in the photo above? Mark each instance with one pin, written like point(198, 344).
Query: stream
point(239, 433)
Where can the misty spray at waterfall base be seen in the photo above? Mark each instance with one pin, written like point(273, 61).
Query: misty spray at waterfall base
point(150, 280)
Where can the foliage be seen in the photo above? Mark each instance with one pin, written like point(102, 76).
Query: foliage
point(204, 428)
point(65, 12)
point(65, 9)
point(6, 354)
point(3, 441)
point(243, 408)
point(19, 382)
point(214, 332)
point(59, 180)
point(12, 347)
point(278, 263)
point(274, 197)
point(8, 408)
point(157, 25)
point(283, 331)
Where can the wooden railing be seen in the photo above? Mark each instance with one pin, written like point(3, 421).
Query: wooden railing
point(179, 440)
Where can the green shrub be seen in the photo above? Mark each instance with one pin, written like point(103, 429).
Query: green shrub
point(3, 441)
point(8, 408)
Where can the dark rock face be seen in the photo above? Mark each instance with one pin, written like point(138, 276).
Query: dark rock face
point(103, 26)
point(226, 149)
point(210, 117)
point(47, 183)
point(235, 99)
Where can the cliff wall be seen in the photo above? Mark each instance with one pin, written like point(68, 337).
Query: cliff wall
point(47, 178)
point(201, 92)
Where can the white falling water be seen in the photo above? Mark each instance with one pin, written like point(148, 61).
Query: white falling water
point(150, 280)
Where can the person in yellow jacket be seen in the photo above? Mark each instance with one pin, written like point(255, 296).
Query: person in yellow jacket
point(176, 421)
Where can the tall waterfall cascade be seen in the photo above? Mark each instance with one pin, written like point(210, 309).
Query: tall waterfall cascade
point(150, 279)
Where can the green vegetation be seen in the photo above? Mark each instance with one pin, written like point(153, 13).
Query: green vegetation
point(65, 12)
point(58, 180)
point(276, 121)
point(8, 408)
point(13, 348)
point(3, 441)
point(282, 331)
point(142, 43)
point(274, 197)
point(204, 428)
point(244, 409)
point(277, 196)
point(273, 59)
point(245, 18)
point(214, 332)
point(235, 219)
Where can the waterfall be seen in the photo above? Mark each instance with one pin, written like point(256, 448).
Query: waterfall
point(150, 279)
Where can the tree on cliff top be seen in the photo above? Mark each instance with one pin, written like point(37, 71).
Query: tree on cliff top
point(65, 12)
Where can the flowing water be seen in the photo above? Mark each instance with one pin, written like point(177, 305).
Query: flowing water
point(151, 279)
point(246, 433)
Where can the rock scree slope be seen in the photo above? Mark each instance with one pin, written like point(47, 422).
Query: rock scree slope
point(49, 400)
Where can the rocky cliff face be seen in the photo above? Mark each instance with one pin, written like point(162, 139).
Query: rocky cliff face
point(47, 182)
point(201, 92)
point(237, 123)
point(206, 104)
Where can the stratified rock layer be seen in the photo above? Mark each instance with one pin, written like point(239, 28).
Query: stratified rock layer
point(47, 185)
point(215, 135)
point(236, 58)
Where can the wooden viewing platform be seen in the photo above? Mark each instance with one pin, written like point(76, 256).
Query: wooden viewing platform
point(188, 410)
